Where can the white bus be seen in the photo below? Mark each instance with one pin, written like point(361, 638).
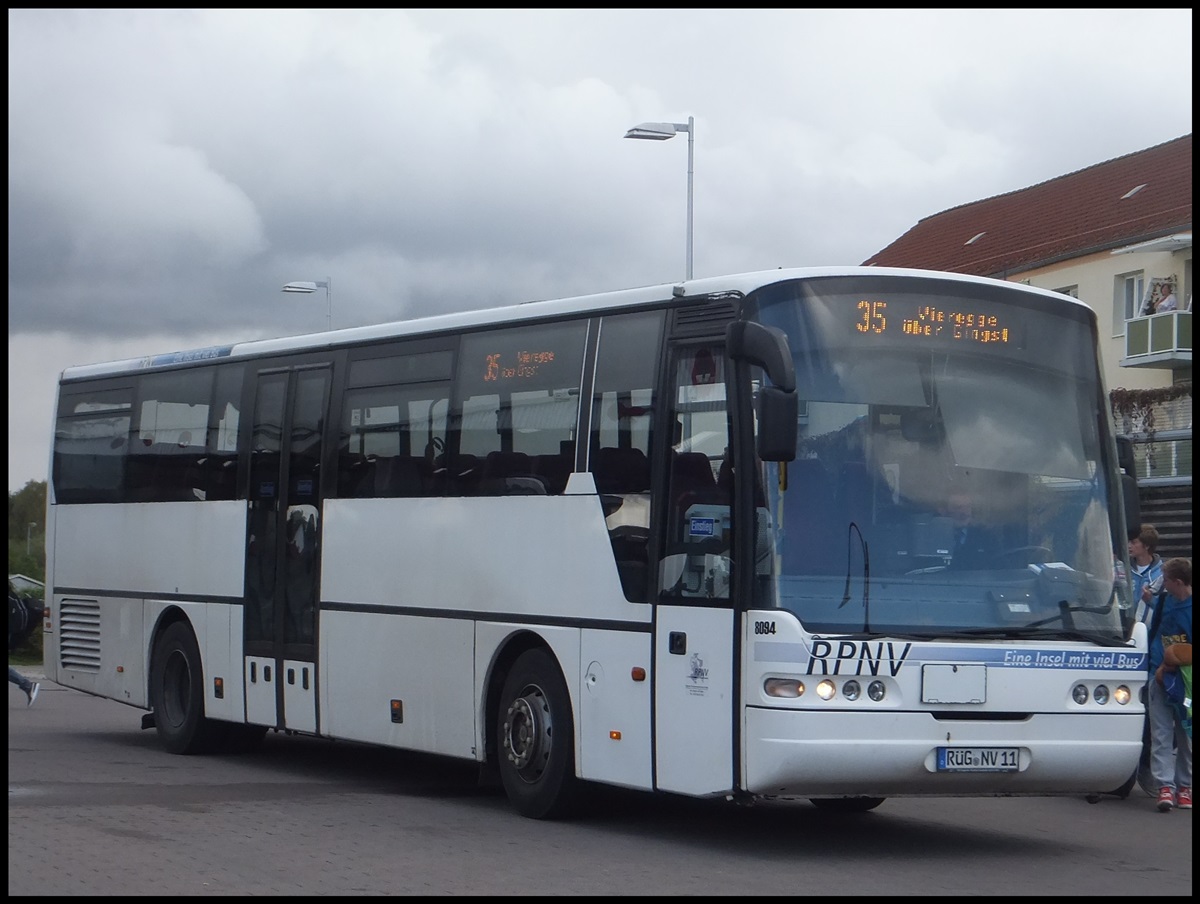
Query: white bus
point(689, 538)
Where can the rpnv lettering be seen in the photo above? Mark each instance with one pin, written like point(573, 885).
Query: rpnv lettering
point(852, 657)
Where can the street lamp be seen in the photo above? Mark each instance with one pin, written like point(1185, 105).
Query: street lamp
point(661, 131)
point(29, 536)
point(307, 288)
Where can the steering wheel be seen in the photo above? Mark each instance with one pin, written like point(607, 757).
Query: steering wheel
point(1027, 554)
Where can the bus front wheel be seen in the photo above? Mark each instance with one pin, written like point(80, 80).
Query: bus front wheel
point(177, 693)
point(535, 735)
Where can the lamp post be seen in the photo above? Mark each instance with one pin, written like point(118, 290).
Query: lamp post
point(307, 288)
point(661, 131)
point(29, 536)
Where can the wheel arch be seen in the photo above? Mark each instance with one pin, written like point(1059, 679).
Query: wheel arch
point(505, 655)
point(167, 617)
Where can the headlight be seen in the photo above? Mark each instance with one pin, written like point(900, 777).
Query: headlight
point(1080, 694)
point(1122, 695)
point(1100, 694)
point(851, 690)
point(876, 690)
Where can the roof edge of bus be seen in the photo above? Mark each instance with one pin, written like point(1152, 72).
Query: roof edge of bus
point(677, 291)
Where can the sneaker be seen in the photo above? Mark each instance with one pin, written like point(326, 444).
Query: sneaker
point(1166, 799)
point(32, 693)
point(1185, 799)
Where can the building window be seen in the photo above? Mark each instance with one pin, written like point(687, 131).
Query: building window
point(1127, 299)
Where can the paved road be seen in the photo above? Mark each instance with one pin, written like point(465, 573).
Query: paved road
point(97, 808)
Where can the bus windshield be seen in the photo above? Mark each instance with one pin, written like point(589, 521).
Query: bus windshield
point(953, 473)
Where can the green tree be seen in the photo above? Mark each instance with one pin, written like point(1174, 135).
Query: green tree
point(27, 530)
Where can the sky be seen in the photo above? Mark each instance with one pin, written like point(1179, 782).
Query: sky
point(170, 170)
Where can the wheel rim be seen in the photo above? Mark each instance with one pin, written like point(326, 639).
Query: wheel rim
point(528, 730)
point(177, 688)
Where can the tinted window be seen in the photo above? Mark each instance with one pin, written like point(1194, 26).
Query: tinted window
point(90, 439)
point(622, 427)
point(513, 428)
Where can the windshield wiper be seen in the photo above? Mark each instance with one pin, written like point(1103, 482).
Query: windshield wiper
point(862, 542)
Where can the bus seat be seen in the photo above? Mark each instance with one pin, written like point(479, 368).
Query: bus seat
point(174, 474)
point(397, 475)
point(554, 470)
point(507, 464)
point(692, 484)
point(618, 470)
point(355, 475)
point(691, 471)
point(507, 473)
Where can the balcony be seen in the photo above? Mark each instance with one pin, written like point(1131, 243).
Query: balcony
point(1162, 455)
point(1159, 340)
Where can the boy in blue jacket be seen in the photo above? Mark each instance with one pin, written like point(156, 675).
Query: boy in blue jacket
point(1147, 570)
point(1170, 745)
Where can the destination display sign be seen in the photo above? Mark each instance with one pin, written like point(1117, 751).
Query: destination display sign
point(941, 323)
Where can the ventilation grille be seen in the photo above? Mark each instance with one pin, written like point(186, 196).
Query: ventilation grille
point(79, 635)
point(705, 319)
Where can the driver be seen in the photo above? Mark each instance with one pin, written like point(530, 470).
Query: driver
point(975, 546)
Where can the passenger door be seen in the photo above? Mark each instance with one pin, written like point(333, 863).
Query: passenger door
point(282, 592)
point(694, 662)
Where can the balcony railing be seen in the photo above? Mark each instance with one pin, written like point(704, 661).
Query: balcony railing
point(1164, 456)
point(1159, 340)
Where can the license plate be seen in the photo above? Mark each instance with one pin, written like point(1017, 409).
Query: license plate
point(977, 759)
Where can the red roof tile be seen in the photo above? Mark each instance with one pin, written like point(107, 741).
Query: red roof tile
point(1063, 218)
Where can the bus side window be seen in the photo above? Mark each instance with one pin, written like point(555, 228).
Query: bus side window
point(620, 442)
point(697, 560)
point(390, 440)
point(173, 415)
point(512, 430)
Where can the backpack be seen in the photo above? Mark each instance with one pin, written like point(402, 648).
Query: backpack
point(18, 621)
point(23, 618)
point(1178, 685)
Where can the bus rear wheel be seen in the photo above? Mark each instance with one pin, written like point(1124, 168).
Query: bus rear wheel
point(535, 734)
point(177, 693)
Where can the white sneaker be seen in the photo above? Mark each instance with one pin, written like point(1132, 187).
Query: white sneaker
point(33, 692)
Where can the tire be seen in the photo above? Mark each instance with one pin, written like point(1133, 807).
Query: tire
point(1144, 777)
point(535, 737)
point(1123, 792)
point(177, 694)
point(847, 804)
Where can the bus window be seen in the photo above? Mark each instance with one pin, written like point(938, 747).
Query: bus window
point(392, 437)
point(513, 426)
point(698, 552)
point(169, 435)
point(89, 445)
point(393, 423)
point(622, 427)
point(221, 463)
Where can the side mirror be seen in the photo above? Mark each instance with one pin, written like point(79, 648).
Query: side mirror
point(765, 346)
point(1133, 504)
point(1125, 455)
point(778, 406)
